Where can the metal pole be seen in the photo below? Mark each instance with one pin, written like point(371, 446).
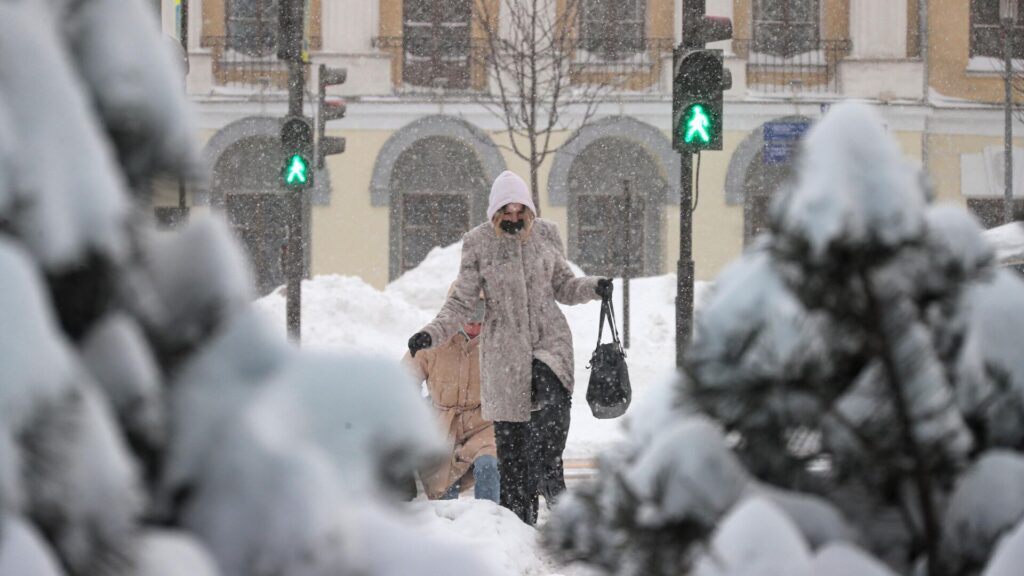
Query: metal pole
point(693, 11)
point(183, 30)
point(1008, 120)
point(183, 36)
point(922, 26)
point(684, 271)
point(296, 256)
point(626, 270)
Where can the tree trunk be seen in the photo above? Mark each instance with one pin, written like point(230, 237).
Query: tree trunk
point(891, 330)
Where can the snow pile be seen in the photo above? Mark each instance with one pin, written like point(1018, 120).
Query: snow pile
point(1009, 555)
point(756, 538)
point(482, 525)
point(838, 207)
point(1008, 241)
point(346, 314)
point(426, 285)
point(23, 551)
point(976, 520)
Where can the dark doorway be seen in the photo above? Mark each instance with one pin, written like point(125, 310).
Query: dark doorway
point(247, 176)
point(607, 232)
point(761, 183)
point(437, 187)
point(607, 244)
point(764, 174)
point(261, 222)
point(429, 220)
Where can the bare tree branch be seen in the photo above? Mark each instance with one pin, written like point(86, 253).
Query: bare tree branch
point(536, 72)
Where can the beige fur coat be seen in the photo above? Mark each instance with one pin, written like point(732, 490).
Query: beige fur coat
point(522, 279)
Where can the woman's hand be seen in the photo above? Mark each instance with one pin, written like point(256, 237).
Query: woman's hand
point(419, 341)
point(604, 288)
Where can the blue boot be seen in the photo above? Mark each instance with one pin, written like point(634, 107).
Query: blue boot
point(487, 478)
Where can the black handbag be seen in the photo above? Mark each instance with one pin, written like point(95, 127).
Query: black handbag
point(608, 391)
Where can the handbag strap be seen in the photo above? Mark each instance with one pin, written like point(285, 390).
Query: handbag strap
point(608, 311)
point(600, 323)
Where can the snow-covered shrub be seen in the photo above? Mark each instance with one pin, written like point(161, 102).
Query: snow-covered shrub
point(863, 355)
point(150, 423)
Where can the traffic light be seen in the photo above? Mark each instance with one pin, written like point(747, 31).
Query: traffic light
point(697, 101)
point(290, 30)
point(699, 29)
point(328, 110)
point(698, 83)
point(297, 143)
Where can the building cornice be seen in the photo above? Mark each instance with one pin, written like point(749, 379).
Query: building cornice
point(394, 112)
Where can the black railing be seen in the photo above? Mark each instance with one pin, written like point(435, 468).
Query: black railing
point(815, 69)
point(624, 64)
point(633, 65)
point(452, 65)
point(244, 67)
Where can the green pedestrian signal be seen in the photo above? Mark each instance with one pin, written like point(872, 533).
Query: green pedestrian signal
point(696, 125)
point(296, 171)
point(698, 86)
point(297, 146)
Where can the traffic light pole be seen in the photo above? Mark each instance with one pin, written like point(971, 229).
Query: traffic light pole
point(295, 253)
point(627, 269)
point(684, 271)
point(183, 37)
point(699, 81)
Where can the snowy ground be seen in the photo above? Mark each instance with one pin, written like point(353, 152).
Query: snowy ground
point(1008, 240)
point(345, 313)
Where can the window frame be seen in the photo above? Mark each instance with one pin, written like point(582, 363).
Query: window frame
point(790, 48)
point(595, 33)
point(265, 19)
point(440, 53)
point(976, 29)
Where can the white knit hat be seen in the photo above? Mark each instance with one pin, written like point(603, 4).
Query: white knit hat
point(508, 188)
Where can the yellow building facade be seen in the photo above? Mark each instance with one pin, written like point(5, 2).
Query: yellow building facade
point(423, 144)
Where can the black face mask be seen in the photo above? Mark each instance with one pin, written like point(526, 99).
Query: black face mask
point(512, 227)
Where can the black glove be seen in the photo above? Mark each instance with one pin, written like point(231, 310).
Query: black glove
point(604, 287)
point(419, 341)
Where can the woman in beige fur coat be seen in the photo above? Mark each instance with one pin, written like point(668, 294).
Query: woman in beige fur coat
point(526, 353)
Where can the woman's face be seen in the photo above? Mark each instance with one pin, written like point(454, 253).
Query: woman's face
point(513, 212)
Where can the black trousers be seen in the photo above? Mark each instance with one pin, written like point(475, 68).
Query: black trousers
point(530, 453)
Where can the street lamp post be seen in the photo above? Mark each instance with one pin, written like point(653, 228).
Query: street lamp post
point(1008, 17)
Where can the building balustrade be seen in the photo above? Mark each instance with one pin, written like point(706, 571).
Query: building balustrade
point(630, 64)
point(234, 67)
point(813, 70)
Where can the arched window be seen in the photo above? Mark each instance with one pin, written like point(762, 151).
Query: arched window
point(252, 26)
point(764, 165)
point(435, 183)
point(436, 42)
point(613, 29)
point(987, 32)
point(257, 211)
point(786, 27)
point(759, 188)
point(616, 194)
